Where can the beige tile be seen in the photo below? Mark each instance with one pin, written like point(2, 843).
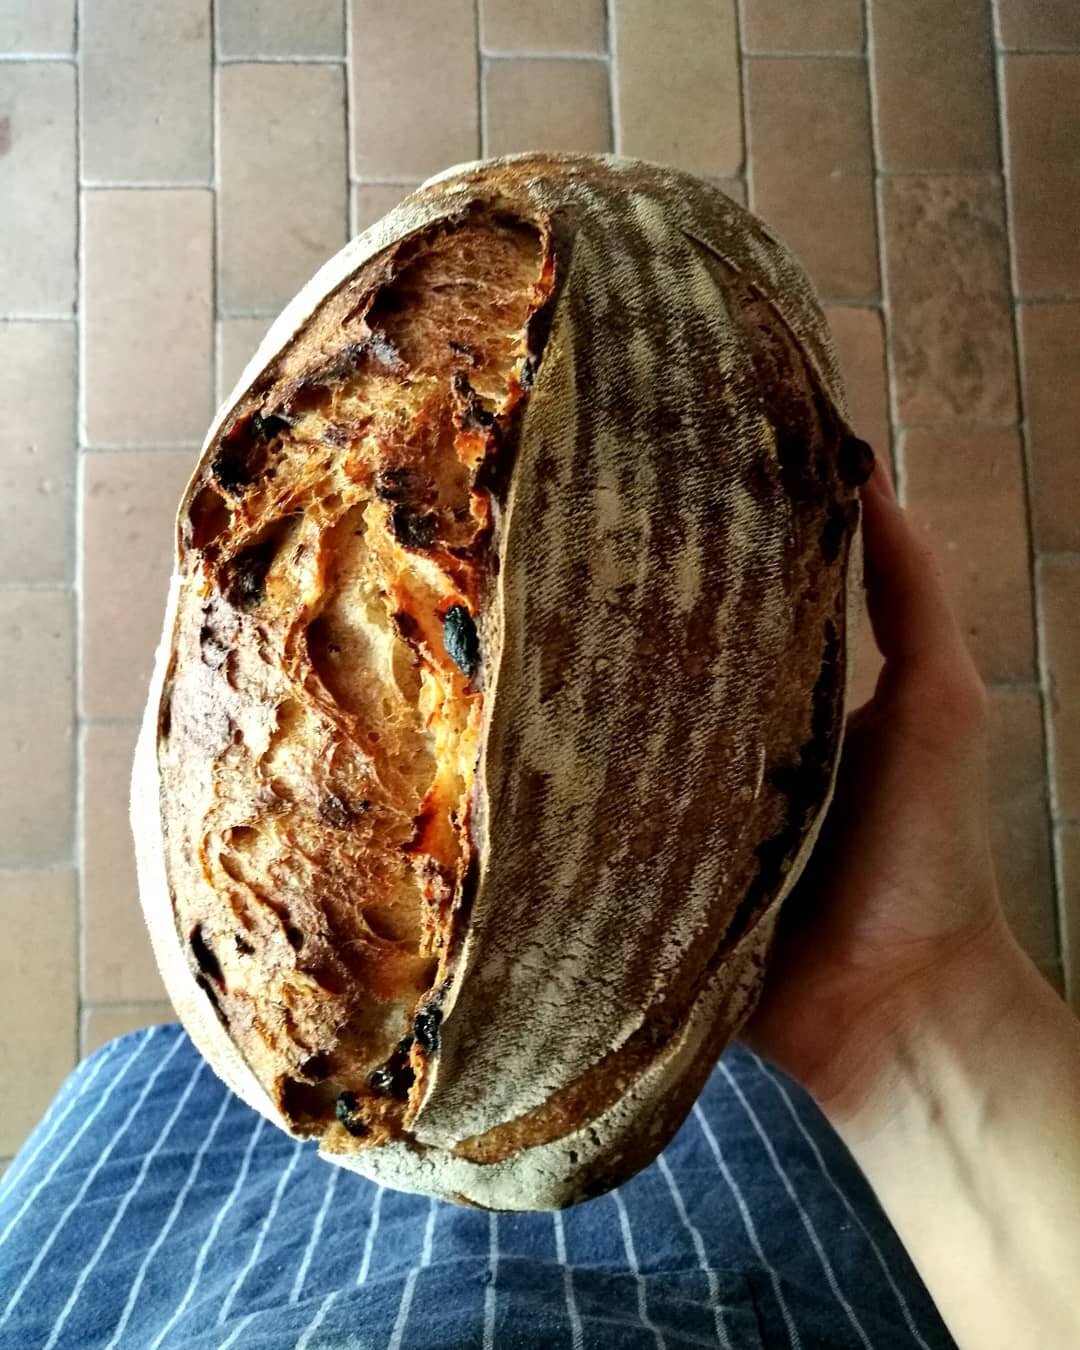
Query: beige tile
point(934, 85)
point(130, 498)
point(37, 912)
point(280, 28)
point(5, 1163)
point(546, 105)
point(371, 201)
point(1020, 820)
point(144, 91)
point(965, 488)
point(1068, 845)
point(103, 1022)
point(950, 321)
point(283, 208)
point(118, 964)
point(824, 26)
point(859, 339)
point(1049, 341)
point(238, 340)
point(1039, 23)
point(37, 714)
point(734, 187)
point(147, 292)
point(44, 27)
point(37, 187)
point(811, 166)
point(1059, 599)
point(405, 123)
point(677, 84)
point(1042, 111)
point(37, 450)
point(555, 26)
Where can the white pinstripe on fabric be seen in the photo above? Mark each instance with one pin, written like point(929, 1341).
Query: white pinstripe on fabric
point(489, 1290)
point(811, 1231)
point(577, 1338)
point(702, 1255)
point(267, 1224)
point(317, 1321)
point(121, 1209)
point(786, 1096)
point(369, 1244)
point(24, 1164)
point(410, 1284)
point(178, 1204)
point(102, 1158)
point(237, 1332)
point(215, 1227)
point(631, 1257)
point(316, 1232)
point(748, 1224)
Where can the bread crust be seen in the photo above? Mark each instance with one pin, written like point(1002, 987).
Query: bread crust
point(661, 567)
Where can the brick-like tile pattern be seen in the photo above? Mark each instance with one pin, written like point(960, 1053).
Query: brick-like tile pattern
point(371, 201)
point(405, 123)
point(37, 450)
point(951, 324)
point(1039, 23)
point(280, 28)
point(859, 338)
point(811, 166)
point(41, 27)
point(37, 747)
point(825, 26)
point(934, 76)
point(965, 488)
point(554, 26)
point(37, 187)
point(147, 315)
point(103, 1022)
point(1068, 845)
point(144, 91)
point(38, 996)
point(130, 498)
point(546, 105)
point(677, 91)
point(1059, 597)
point(238, 340)
point(1042, 104)
point(1049, 342)
point(118, 964)
point(283, 207)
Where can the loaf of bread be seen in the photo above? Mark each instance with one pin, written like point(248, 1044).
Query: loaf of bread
point(503, 676)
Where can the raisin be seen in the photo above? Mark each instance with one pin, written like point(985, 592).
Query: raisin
point(411, 529)
point(345, 1109)
point(854, 461)
point(336, 811)
point(460, 640)
point(247, 575)
point(204, 955)
point(395, 1077)
point(426, 1028)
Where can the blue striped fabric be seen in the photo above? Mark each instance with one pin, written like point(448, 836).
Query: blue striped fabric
point(152, 1208)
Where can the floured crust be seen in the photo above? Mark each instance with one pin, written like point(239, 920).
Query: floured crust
point(502, 682)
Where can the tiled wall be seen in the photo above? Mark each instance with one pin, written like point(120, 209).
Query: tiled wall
point(170, 174)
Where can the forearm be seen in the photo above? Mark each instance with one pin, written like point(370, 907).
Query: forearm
point(971, 1142)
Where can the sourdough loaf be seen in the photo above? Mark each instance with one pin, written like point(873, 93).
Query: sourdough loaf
point(502, 679)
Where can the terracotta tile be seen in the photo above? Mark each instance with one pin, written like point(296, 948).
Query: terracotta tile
point(37, 715)
point(546, 105)
point(144, 91)
point(1039, 23)
point(1068, 844)
point(283, 180)
point(555, 26)
point(1059, 600)
point(103, 1022)
point(965, 488)
point(1020, 820)
point(147, 286)
point(405, 124)
point(238, 340)
point(1049, 341)
point(37, 450)
point(859, 340)
point(130, 498)
point(677, 84)
point(46, 27)
point(1042, 112)
point(37, 187)
point(950, 325)
point(118, 963)
point(811, 166)
point(371, 201)
point(780, 26)
point(280, 28)
point(934, 85)
point(37, 913)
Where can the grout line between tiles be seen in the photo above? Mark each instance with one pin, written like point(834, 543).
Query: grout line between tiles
point(45, 586)
point(384, 182)
point(744, 129)
point(613, 77)
point(78, 498)
point(350, 130)
point(849, 55)
point(128, 447)
point(215, 205)
point(146, 185)
point(538, 56)
point(38, 318)
point(279, 60)
point(481, 104)
point(10, 869)
point(56, 58)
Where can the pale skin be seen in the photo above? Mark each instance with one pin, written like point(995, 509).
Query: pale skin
point(900, 1000)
